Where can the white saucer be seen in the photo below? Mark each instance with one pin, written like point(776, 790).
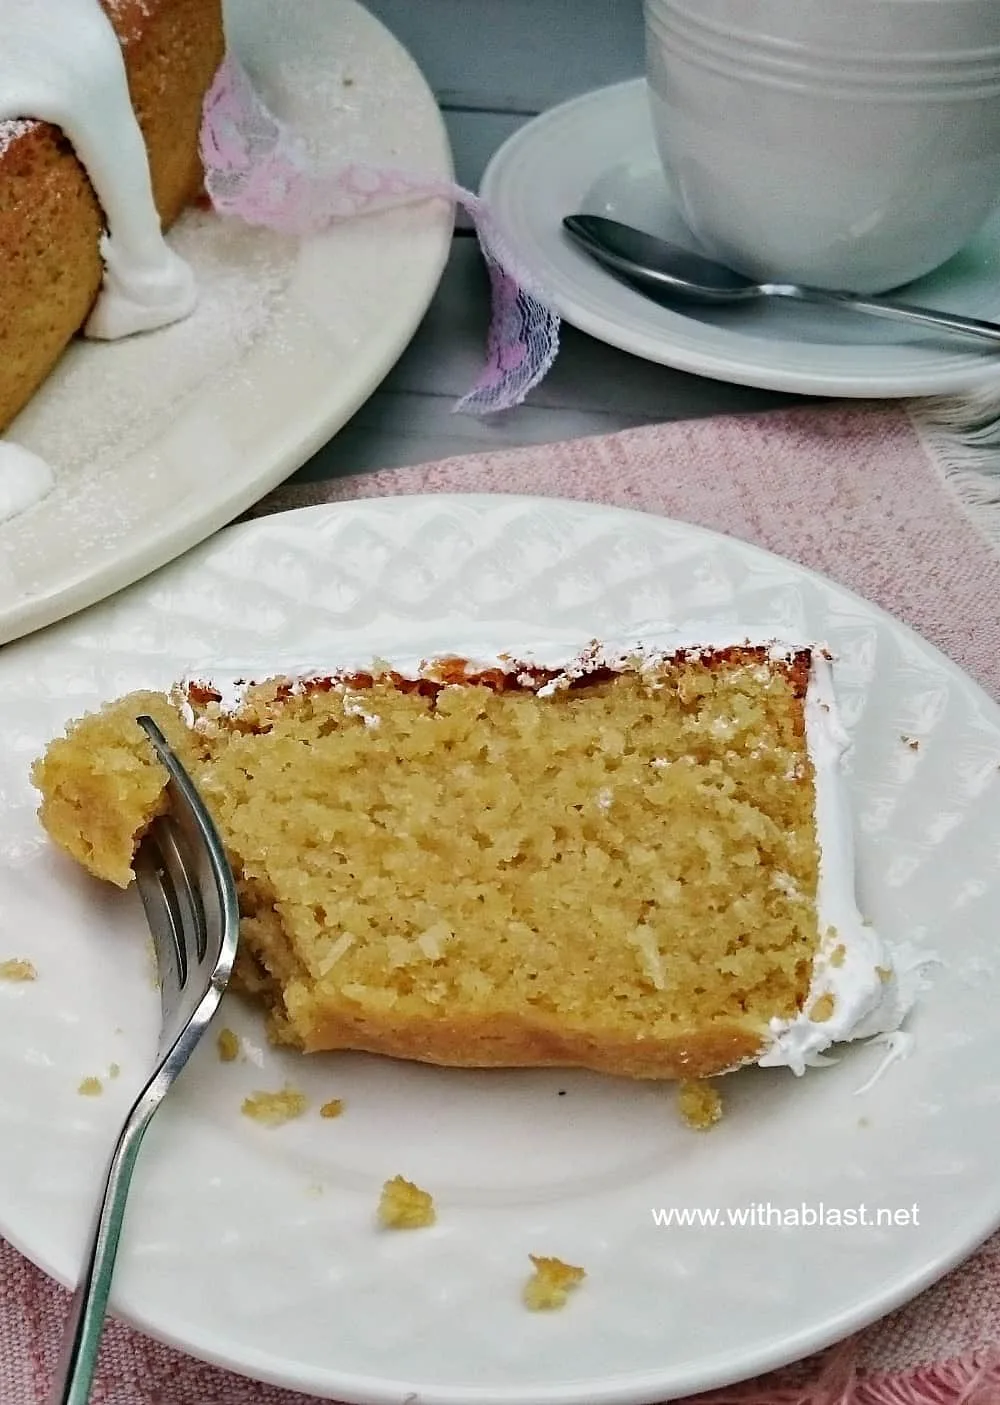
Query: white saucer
point(597, 154)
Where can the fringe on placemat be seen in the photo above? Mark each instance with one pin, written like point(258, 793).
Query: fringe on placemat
point(961, 434)
point(972, 1379)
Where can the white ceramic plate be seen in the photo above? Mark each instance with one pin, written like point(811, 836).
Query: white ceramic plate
point(597, 154)
point(257, 1248)
point(159, 440)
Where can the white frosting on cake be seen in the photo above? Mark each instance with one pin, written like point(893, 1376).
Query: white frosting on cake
point(861, 987)
point(24, 479)
point(648, 646)
point(867, 989)
point(60, 62)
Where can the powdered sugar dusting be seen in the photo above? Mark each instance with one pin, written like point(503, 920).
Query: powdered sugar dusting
point(119, 10)
point(11, 128)
point(100, 406)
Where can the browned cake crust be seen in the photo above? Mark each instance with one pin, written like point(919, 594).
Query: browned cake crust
point(50, 221)
point(504, 1041)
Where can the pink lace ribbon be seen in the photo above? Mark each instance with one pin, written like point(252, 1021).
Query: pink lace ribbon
point(258, 171)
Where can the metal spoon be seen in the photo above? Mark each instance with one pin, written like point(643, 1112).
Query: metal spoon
point(676, 275)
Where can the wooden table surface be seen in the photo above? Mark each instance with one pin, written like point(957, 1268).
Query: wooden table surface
point(493, 65)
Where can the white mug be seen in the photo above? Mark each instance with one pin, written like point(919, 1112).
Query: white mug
point(850, 144)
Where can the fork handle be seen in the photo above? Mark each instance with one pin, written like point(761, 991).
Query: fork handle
point(85, 1324)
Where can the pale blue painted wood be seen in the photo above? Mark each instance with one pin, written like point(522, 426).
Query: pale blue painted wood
point(592, 389)
point(493, 64)
point(474, 137)
point(517, 56)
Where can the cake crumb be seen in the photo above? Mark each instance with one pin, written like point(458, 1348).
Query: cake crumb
point(822, 1009)
point(228, 1045)
point(17, 969)
point(114, 1070)
point(551, 1283)
point(90, 1087)
point(700, 1104)
point(404, 1205)
point(333, 1108)
point(911, 742)
point(838, 955)
point(273, 1109)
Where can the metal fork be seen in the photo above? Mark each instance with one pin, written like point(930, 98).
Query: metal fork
point(189, 895)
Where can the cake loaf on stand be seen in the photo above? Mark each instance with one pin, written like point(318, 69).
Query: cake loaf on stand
point(95, 156)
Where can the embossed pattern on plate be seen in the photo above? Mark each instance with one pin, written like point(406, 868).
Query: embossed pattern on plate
point(258, 1248)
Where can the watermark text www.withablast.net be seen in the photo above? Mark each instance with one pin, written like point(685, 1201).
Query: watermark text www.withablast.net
point(763, 1215)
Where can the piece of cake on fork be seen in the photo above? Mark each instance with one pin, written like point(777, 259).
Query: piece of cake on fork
point(630, 859)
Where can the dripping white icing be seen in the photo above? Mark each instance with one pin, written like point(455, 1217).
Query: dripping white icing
point(871, 988)
point(24, 479)
point(60, 62)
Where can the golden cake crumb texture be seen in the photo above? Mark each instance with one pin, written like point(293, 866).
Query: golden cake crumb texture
point(700, 1104)
point(333, 1108)
point(100, 810)
point(90, 1087)
point(403, 1205)
point(822, 1009)
point(274, 1109)
point(551, 1283)
point(17, 969)
point(228, 1045)
point(619, 876)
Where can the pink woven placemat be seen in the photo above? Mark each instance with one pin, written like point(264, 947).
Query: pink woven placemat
point(851, 492)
